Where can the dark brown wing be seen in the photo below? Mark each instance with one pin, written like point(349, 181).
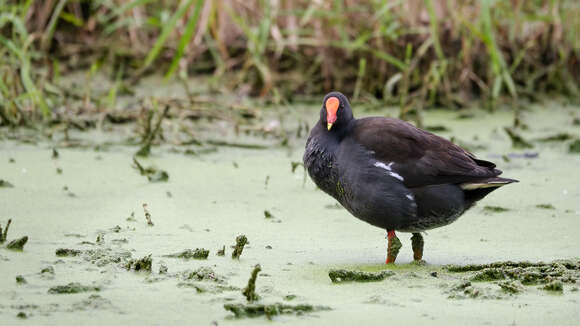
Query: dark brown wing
point(418, 156)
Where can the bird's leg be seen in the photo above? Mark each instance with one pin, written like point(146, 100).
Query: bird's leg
point(393, 246)
point(417, 244)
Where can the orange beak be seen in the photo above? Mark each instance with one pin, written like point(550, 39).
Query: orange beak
point(331, 104)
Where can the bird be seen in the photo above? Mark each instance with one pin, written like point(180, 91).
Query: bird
point(393, 175)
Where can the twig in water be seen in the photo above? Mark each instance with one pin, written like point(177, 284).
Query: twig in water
point(3, 236)
point(150, 136)
point(250, 291)
point(241, 241)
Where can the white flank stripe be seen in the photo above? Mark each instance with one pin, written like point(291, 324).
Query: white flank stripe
point(390, 169)
point(383, 165)
point(396, 175)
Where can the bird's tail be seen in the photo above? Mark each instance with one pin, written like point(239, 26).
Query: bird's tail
point(476, 190)
point(493, 182)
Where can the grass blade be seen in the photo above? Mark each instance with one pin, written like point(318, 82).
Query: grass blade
point(185, 38)
point(165, 32)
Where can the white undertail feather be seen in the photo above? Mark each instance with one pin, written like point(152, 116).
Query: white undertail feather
point(491, 184)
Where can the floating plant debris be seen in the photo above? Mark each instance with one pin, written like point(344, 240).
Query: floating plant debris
point(295, 165)
point(554, 286)
point(198, 253)
point(333, 206)
point(271, 310)
point(557, 137)
point(290, 297)
point(437, 128)
point(204, 274)
point(494, 209)
point(17, 244)
point(343, 275)
point(147, 215)
point(250, 290)
point(241, 241)
point(151, 133)
point(201, 151)
point(100, 238)
point(222, 251)
point(152, 174)
point(465, 116)
point(158, 176)
point(64, 252)
point(55, 154)
point(142, 264)
point(545, 206)
point(267, 214)
point(48, 270)
point(237, 145)
point(72, 288)
point(512, 287)
point(4, 235)
point(566, 271)
point(574, 147)
point(131, 218)
point(465, 289)
point(517, 140)
point(5, 184)
point(20, 279)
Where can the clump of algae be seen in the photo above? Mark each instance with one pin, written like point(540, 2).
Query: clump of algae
point(517, 140)
point(17, 244)
point(152, 174)
point(271, 310)
point(5, 184)
point(343, 275)
point(574, 147)
point(511, 287)
point(554, 286)
point(495, 209)
point(250, 290)
point(142, 264)
point(513, 274)
point(72, 288)
point(545, 206)
point(20, 279)
point(198, 253)
point(241, 241)
point(65, 252)
point(204, 274)
point(465, 289)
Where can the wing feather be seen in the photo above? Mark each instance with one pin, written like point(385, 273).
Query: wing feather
point(420, 157)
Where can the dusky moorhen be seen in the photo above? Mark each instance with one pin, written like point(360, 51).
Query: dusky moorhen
point(393, 175)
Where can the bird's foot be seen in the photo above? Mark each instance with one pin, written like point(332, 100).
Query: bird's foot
point(419, 262)
point(417, 244)
point(393, 247)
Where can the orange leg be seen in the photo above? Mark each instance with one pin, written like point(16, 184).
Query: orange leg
point(393, 246)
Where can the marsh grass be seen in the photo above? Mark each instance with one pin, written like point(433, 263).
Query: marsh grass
point(416, 53)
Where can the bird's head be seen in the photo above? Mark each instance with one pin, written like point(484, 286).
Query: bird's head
point(336, 112)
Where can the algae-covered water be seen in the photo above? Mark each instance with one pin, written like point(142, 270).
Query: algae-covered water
point(92, 201)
